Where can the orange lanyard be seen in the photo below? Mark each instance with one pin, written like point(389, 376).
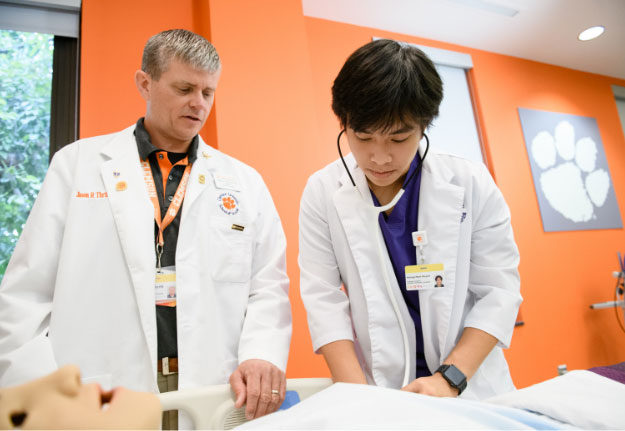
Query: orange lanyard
point(173, 208)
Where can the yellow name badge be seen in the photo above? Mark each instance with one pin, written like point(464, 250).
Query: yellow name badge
point(421, 277)
point(165, 286)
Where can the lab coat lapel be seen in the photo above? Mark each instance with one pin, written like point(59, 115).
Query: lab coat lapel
point(201, 175)
point(134, 219)
point(440, 213)
point(359, 219)
point(352, 210)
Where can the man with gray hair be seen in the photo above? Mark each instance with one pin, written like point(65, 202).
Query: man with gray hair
point(150, 259)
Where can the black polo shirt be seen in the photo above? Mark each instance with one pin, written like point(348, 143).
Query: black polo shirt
point(163, 163)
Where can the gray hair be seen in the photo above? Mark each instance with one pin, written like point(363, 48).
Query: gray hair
point(183, 45)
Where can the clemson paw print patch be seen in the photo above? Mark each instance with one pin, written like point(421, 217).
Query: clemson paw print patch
point(570, 171)
point(228, 203)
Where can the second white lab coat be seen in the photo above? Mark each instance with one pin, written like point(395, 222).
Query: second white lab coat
point(80, 286)
point(468, 230)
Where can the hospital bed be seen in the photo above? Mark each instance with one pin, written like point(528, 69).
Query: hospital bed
point(212, 407)
point(586, 399)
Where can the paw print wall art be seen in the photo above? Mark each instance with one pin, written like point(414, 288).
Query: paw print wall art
point(570, 171)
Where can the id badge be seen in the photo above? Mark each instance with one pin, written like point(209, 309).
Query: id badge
point(165, 286)
point(421, 277)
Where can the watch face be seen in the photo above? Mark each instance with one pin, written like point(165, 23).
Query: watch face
point(455, 375)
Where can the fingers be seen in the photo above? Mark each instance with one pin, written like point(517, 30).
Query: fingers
point(260, 385)
point(432, 385)
point(282, 387)
point(265, 397)
point(278, 390)
point(253, 395)
point(238, 386)
point(411, 387)
point(418, 386)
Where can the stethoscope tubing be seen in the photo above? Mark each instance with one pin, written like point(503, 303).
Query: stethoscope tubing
point(414, 173)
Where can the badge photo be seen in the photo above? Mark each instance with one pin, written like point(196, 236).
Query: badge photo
point(165, 286)
point(421, 277)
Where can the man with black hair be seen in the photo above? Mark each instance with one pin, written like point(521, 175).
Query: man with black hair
point(386, 220)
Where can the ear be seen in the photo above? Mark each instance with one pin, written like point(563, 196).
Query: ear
point(143, 82)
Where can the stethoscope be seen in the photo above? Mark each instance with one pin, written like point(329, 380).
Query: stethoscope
point(387, 280)
point(401, 191)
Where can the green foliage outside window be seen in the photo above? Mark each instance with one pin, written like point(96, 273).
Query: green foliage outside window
point(25, 86)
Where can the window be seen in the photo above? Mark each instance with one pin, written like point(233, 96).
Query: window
point(25, 88)
point(455, 130)
point(619, 95)
point(38, 102)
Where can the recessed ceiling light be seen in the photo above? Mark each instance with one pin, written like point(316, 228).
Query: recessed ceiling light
point(591, 33)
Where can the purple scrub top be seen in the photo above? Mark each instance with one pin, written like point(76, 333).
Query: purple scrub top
point(397, 231)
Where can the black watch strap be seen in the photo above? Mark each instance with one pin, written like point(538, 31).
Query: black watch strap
point(454, 377)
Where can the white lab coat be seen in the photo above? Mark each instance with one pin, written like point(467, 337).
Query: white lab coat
point(467, 224)
point(80, 286)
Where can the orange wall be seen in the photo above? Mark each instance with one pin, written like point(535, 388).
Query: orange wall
point(266, 118)
point(561, 272)
point(113, 34)
point(272, 111)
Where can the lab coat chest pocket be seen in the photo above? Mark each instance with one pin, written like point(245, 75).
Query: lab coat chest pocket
point(230, 252)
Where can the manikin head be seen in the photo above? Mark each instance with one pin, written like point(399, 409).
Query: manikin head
point(60, 401)
point(178, 78)
point(385, 96)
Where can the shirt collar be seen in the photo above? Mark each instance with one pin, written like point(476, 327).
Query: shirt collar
point(145, 146)
point(413, 166)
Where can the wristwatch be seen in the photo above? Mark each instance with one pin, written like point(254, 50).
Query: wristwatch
point(454, 377)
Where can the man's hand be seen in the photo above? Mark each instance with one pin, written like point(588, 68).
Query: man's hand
point(434, 385)
point(260, 385)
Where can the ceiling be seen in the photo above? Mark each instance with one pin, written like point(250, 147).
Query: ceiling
point(540, 30)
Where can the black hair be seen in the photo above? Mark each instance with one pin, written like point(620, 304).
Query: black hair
point(437, 277)
point(385, 83)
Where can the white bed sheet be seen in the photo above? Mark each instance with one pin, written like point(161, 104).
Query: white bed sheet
point(579, 397)
point(348, 406)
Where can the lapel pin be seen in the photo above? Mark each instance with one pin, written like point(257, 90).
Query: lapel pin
point(201, 179)
point(205, 155)
point(121, 186)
